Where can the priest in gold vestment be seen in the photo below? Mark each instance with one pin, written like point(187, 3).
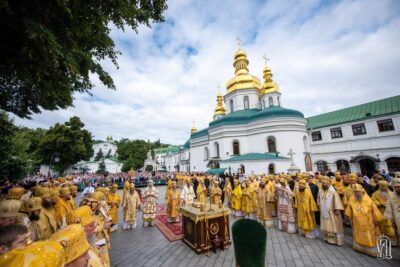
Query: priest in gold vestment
point(150, 204)
point(113, 201)
point(381, 200)
point(201, 191)
point(236, 199)
point(64, 212)
point(306, 208)
point(130, 206)
point(187, 193)
point(364, 216)
point(227, 192)
point(173, 202)
point(265, 204)
point(215, 193)
point(392, 211)
point(248, 196)
point(330, 207)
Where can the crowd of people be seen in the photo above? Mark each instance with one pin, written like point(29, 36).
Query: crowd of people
point(301, 202)
point(42, 223)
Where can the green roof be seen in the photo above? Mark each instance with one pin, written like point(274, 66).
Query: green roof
point(199, 133)
point(373, 109)
point(248, 115)
point(164, 150)
point(216, 171)
point(254, 156)
point(186, 145)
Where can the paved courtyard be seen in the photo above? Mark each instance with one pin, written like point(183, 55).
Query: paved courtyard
point(149, 247)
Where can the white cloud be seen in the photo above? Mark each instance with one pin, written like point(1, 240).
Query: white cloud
point(324, 57)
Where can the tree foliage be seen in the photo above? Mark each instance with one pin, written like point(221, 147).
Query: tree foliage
point(70, 142)
point(102, 168)
point(49, 48)
point(133, 153)
point(18, 149)
point(99, 155)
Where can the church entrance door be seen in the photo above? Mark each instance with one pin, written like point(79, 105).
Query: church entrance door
point(367, 167)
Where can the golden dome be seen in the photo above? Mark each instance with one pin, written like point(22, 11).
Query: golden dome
point(220, 109)
point(242, 79)
point(194, 129)
point(269, 86)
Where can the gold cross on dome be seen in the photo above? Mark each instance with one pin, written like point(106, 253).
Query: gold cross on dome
point(219, 89)
point(265, 59)
point(238, 40)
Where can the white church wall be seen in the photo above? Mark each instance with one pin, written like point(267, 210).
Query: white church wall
point(256, 167)
point(238, 99)
point(105, 147)
point(197, 160)
point(374, 144)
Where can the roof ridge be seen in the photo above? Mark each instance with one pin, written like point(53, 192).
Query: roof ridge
point(359, 105)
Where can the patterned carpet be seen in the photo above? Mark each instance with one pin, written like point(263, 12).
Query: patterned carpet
point(172, 231)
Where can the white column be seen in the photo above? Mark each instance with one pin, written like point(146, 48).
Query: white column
point(355, 167)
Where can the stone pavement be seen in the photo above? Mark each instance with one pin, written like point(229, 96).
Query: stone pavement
point(149, 247)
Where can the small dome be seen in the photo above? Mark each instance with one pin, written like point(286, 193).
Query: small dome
point(240, 53)
point(242, 79)
point(269, 85)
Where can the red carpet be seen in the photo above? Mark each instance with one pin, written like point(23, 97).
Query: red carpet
point(172, 231)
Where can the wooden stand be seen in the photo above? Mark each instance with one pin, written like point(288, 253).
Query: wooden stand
point(205, 231)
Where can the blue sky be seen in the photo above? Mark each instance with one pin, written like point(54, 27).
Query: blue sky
point(324, 55)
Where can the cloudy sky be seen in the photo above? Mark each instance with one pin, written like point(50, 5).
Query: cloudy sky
point(325, 55)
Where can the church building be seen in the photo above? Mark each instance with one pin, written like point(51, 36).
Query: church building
point(252, 132)
point(255, 134)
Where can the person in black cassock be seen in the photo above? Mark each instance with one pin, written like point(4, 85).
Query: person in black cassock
point(314, 191)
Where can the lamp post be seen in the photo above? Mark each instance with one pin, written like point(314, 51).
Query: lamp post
point(55, 158)
point(14, 158)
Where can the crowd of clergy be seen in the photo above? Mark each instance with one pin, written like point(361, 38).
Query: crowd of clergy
point(45, 226)
point(310, 205)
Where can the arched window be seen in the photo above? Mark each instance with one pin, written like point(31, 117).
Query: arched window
point(343, 166)
point(271, 168)
point(279, 102)
point(236, 148)
point(216, 150)
point(264, 106)
point(271, 144)
point(206, 154)
point(271, 101)
point(231, 105)
point(322, 166)
point(246, 102)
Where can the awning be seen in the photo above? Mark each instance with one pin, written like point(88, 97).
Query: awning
point(216, 171)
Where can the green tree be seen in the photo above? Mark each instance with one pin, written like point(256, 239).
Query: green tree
point(102, 168)
point(69, 141)
point(8, 160)
point(99, 155)
point(49, 48)
point(133, 153)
